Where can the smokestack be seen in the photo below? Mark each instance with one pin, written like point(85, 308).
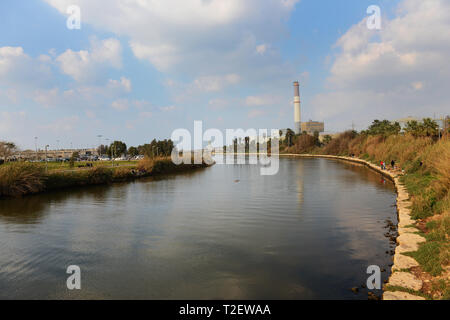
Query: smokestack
point(297, 118)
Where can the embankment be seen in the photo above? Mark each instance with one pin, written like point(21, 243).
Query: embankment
point(19, 179)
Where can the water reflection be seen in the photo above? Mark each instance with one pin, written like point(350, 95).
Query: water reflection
point(225, 232)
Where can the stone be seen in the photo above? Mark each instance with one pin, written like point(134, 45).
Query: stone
point(409, 242)
point(403, 262)
point(405, 280)
point(404, 220)
point(403, 230)
point(398, 295)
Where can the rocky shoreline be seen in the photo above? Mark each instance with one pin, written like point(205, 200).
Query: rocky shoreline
point(407, 241)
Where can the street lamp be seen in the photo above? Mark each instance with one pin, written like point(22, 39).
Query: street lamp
point(99, 139)
point(46, 160)
point(35, 145)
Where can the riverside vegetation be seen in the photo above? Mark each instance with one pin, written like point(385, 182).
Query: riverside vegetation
point(422, 155)
point(22, 178)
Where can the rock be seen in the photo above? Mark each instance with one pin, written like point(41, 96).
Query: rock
point(407, 230)
point(405, 220)
point(372, 296)
point(409, 242)
point(403, 262)
point(398, 295)
point(405, 280)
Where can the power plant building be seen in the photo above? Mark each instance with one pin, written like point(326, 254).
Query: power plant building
point(311, 126)
point(297, 114)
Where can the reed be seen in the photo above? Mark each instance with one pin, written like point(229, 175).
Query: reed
point(17, 179)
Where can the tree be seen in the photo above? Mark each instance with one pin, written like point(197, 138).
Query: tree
point(316, 138)
point(157, 148)
point(447, 125)
point(413, 127)
point(384, 128)
point(7, 149)
point(102, 149)
point(73, 158)
point(430, 128)
point(132, 151)
point(327, 138)
point(289, 137)
point(117, 148)
point(426, 128)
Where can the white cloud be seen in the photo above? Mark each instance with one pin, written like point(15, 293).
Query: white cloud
point(261, 49)
point(20, 70)
point(120, 105)
point(400, 70)
point(196, 37)
point(256, 113)
point(90, 114)
point(215, 83)
point(123, 84)
point(217, 104)
point(63, 125)
point(85, 65)
point(47, 98)
point(10, 122)
point(262, 100)
point(167, 108)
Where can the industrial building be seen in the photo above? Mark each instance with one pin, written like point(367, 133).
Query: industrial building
point(313, 126)
point(309, 127)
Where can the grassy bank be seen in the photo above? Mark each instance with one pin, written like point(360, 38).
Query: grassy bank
point(18, 179)
point(424, 163)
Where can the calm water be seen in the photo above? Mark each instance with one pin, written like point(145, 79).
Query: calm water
point(308, 232)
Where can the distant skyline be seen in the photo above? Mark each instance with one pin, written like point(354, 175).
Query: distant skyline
point(137, 70)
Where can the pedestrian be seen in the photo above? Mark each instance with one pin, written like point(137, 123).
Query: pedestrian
point(393, 164)
point(381, 165)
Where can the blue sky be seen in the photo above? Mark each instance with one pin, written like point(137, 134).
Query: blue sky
point(137, 70)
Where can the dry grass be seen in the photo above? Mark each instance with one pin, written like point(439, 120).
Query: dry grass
point(18, 179)
point(146, 164)
point(303, 144)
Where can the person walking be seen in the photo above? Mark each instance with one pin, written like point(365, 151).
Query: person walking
point(381, 165)
point(393, 164)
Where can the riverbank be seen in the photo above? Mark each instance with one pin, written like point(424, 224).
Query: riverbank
point(19, 179)
point(421, 173)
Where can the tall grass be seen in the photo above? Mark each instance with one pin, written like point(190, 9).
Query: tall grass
point(17, 179)
point(164, 165)
point(303, 144)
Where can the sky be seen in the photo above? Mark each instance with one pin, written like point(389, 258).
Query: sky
point(139, 69)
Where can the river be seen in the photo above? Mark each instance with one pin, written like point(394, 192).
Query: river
point(224, 232)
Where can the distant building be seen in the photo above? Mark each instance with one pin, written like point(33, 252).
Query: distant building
point(297, 110)
point(312, 126)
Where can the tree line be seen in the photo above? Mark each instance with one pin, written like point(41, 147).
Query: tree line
point(156, 148)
